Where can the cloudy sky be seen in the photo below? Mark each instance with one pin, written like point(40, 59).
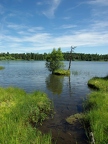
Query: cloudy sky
point(40, 25)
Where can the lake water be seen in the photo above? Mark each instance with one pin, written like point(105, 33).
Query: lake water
point(67, 93)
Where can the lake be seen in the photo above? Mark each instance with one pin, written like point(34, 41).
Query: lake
point(67, 93)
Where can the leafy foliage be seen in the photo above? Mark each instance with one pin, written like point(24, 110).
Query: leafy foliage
point(54, 60)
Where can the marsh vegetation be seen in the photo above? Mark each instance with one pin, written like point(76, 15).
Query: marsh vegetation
point(20, 115)
point(96, 106)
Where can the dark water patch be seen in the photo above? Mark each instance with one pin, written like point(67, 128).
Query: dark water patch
point(64, 133)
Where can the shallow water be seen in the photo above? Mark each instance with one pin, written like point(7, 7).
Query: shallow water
point(67, 93)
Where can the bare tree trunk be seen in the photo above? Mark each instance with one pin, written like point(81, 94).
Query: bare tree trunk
point(70, 57)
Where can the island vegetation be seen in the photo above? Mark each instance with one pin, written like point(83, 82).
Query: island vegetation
point(96, 107)
point(62, 72)
point(54, 62)
point(20, 116)
point(66, 56)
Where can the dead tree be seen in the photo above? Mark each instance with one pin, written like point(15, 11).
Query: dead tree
point(70, 58)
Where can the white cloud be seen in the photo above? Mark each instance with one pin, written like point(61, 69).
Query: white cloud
point(100, 25)
point(1, 9)
point(53, 5)
point(37, 38)
point(99, 2)
point(99, 12)
point(45, 41)
point(66, 18)
point(39, 3)
point(68, 26)
point(35, 29)
point(16, 26)
point(24, 38)
point(20, 29)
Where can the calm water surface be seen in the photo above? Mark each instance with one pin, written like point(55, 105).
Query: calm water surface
point(67, 93)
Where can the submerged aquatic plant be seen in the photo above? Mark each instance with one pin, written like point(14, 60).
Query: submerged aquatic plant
point(1, 67)
point(75, 73)
point(74, 118)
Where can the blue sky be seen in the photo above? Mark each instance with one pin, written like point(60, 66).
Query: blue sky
point(40, 25)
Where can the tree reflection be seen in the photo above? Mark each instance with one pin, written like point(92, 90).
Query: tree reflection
point(55, 83)
point(70, 89)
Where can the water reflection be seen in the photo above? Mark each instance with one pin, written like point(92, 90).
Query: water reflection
point(54, 83)
point(70, 88)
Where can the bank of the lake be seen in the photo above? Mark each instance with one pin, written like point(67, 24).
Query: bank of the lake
point(96, 115)
point(20, 115)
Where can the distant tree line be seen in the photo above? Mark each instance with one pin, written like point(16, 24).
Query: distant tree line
point(67, 55)
point(85, 57)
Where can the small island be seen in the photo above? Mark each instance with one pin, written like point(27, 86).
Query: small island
point(54, 63)
point(62, 72)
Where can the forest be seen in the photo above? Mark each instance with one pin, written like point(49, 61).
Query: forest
point(67, 56)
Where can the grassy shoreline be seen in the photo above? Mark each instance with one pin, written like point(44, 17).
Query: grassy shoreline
point(18, 111)
point(96, 110)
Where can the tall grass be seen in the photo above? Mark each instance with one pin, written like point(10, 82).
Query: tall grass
point(96, 107)
point(19, 112)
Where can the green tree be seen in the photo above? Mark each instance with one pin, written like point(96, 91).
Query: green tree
point(54, 60)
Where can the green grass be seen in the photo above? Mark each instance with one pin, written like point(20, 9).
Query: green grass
point(1, 67)
point(62, 72)
point(96, 106)
point(20, 115)
point(99, 83)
